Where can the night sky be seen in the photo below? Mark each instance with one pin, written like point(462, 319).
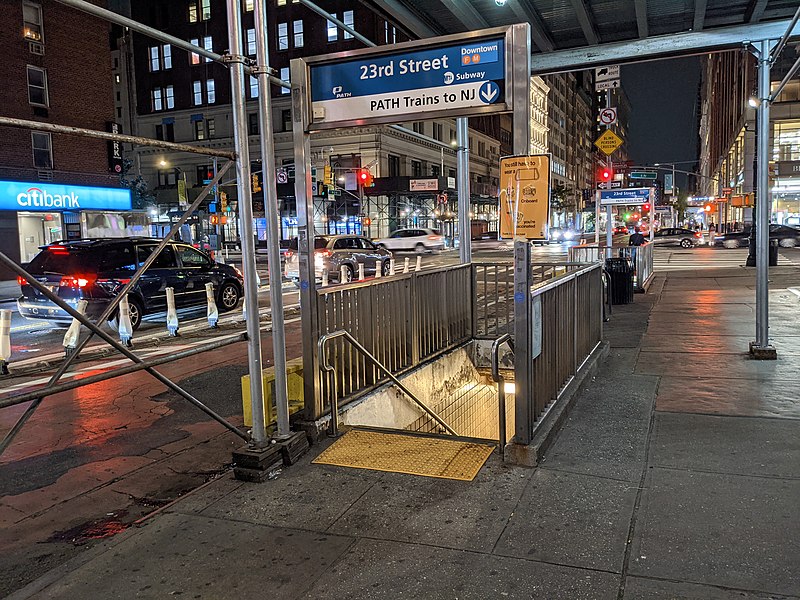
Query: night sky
point(664, 112)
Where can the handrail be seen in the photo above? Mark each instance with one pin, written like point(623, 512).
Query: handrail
point(326, 366)
point(501, 390)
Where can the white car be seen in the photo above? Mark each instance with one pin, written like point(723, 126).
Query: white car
point(413, 240)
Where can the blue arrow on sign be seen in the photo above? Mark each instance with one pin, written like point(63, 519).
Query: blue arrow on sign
point(489, 92)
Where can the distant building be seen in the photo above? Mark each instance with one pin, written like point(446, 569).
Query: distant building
point(728, 138)
point(539, 117)
point(185, 98)
point(49, 78)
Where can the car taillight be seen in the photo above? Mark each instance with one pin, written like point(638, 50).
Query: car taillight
point(57, 250)
point(76, 281)
point(324, 253)
point(289, 254)
point(434, 237)
point(22, 280)
point(697, 234)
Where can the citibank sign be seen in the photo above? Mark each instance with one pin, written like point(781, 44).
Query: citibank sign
point(24, 195)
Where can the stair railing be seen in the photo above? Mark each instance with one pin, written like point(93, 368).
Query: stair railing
point(501, 390)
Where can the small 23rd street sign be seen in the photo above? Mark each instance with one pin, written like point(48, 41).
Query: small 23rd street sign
point(608, 142)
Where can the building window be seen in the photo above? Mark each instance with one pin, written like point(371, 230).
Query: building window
point(248, 5)
point(211, 128)
point(285, 77)
point(286, 119)
point(37, 86)
point(333, 30)
point(197, 93)
point(253, 87)
point(42, 150)
point(416, 168)
point(205, 6)
point(436, 170)
point(281, 2)
point(437, 131)
point(211, 94)
point(169, 96)
point(453, 136)
point(418, 126)
point(348, 20)
point(283, 36)
point(156, 99)
point(194, 58)
point(251, 42)
point(166, 132)
point(298, 34)
point(389, 33)
point(208, 44)
point(252, 124)
point(394, 165)
point(199, 130)
point(192, 12)
point(32, 22)
point(160, 57)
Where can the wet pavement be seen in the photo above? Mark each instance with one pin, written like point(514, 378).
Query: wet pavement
point(676, 475)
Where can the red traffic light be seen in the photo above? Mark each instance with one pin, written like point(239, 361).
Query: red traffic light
point(365, 178)
point(707, 208)
point(606, 174)
point(645, 207)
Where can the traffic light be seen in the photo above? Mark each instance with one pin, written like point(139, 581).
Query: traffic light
point(707, 207)
point(223, 201)
point(365, 178)
point(328, 172)
point(366, 221)
point(645, 207)
point(214, 220)
point(256, 183)
point(606, 174)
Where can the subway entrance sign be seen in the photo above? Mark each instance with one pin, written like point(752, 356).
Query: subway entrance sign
point(465, 74)
point(626, 196)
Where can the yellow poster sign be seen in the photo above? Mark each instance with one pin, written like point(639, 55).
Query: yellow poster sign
point(524, 196)
point(608, 142)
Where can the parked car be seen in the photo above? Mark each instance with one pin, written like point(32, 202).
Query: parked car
point(95, 270)
point(413, 239)
point(332, 252)
point(678, 236)
point(786, 235)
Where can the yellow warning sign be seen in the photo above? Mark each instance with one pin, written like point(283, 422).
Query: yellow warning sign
point(525, 196)
point(608, 142)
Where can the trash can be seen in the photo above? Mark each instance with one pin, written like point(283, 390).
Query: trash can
point(773, 253)
point(620, 271)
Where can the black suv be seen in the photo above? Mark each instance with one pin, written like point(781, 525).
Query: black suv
point(95, 270)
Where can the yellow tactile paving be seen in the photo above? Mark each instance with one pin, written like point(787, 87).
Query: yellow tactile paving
point(411, 454)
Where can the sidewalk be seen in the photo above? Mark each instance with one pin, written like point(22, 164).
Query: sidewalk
point(676, 476)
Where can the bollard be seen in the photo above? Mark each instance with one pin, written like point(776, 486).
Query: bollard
point(361, 271)
point(5, 340)
point(325, 278)
point(391, 266)
point(211, 312)
point(405, 264)
point(419, 264)
point(73, 334)
point(124, 325)
point(343, 274)
point(172, 315)
point(378, 269)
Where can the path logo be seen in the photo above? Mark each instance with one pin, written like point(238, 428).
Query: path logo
point(480, 53)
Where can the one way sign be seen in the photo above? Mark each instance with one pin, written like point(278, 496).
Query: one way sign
point(606, 73)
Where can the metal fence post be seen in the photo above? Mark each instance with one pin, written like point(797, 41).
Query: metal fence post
point(575, 323)
point(523, 365)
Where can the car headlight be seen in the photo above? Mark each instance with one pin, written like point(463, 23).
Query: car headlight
point(568, 235)
point(556, 234)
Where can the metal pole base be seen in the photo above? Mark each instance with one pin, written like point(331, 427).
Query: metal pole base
point(3, 368)
point(763, 352)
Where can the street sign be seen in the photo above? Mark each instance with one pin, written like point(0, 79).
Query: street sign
point(625, 196)
point(606, 85)
point(643, 175)
point(524, 196)
point(608, 116)
point(668, 183)
point(609, 185)
point(282, 176)
point(727, 190)
point(608, 142)
point(462, 75)
point(606, 73)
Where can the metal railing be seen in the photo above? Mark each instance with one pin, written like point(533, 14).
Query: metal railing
point(498, 378)
point(567, 330)
point(493, 285)
point(326, 367)
point(641, 257)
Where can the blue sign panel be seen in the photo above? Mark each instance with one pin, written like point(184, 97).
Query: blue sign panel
point(46, 197)
point(464, 75)
point(625, 196)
